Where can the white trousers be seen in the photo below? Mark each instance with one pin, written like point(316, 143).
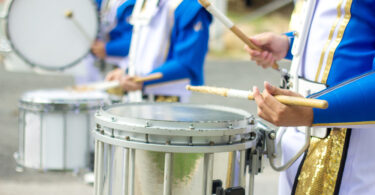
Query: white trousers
point(292, 141)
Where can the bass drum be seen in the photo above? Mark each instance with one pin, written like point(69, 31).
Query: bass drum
point(51, 35)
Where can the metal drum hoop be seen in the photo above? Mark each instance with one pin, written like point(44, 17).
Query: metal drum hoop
point(44, 105)
point(60, 107)
point(34, 65)
point(107, 124)
point(206, 128)
point(246, 144)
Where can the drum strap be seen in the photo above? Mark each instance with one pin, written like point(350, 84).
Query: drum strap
point(321, 170)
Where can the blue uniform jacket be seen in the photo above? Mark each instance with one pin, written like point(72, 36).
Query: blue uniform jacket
point(120, 36)
point(351, 78)
point(189, 45)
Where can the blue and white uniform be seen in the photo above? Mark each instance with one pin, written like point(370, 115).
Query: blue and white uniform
point(116, 32)
point(174, 43)
point(340, 54)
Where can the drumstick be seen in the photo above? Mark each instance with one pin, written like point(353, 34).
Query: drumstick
point(70, 15)
point(105, 85)
point(288, 100)
point(229, 24)
point(150, 77)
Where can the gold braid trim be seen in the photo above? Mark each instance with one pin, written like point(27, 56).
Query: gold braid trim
point(320, 169)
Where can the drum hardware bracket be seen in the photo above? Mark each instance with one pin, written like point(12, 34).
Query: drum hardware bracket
point(270, 139)
point(254, 156)
point(285, 79)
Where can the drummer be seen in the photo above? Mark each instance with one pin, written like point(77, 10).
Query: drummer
point(174, 45)
point(112, 45)
point(339, 54)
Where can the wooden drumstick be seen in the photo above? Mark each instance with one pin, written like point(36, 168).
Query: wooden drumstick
point(105, 85)
point(229, 24)
point(288, 100)
point(70, 15)
point(150, 77)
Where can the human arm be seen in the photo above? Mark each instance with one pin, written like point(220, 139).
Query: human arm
point(189, 45)
point(351, 104)
point(120, 36)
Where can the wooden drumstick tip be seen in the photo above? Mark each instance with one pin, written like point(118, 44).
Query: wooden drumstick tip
point(324, 105)
point(205, 3)
point(69, 14)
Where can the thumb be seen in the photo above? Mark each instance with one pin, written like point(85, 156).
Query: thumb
point(277, 91)
point(261, 40)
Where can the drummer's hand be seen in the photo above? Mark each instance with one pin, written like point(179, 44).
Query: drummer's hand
point(280, 114)
point(98, 49)
point(115, 75)
point(128, 84)
point(275, 47)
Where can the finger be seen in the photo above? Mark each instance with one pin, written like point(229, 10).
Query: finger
point(272, 102)
point(262, 106)
point(109, 77)
point(264, 55)
point(277, 91)
point(268, 60)
point(261, 39)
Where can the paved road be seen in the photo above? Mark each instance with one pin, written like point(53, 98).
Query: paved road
point(235, 74)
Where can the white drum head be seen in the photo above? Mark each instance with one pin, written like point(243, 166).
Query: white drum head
point(40, 32)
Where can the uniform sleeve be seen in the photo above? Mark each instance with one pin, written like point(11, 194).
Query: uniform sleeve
point(351, 104)
point(188, 52)
point(120, 36)
point(290, 35)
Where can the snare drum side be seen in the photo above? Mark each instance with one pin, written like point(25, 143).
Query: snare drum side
point(56, 136)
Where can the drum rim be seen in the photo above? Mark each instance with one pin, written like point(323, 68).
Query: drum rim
point(161, 127)
point(28, 99)
point(44, 67)
point(45, 104)
point(106, 139)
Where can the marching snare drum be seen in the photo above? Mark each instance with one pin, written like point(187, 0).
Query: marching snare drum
point(160, 148)
point(54, 128)
point(51, 34)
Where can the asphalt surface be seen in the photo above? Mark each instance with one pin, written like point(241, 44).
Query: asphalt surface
point(221, 73)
